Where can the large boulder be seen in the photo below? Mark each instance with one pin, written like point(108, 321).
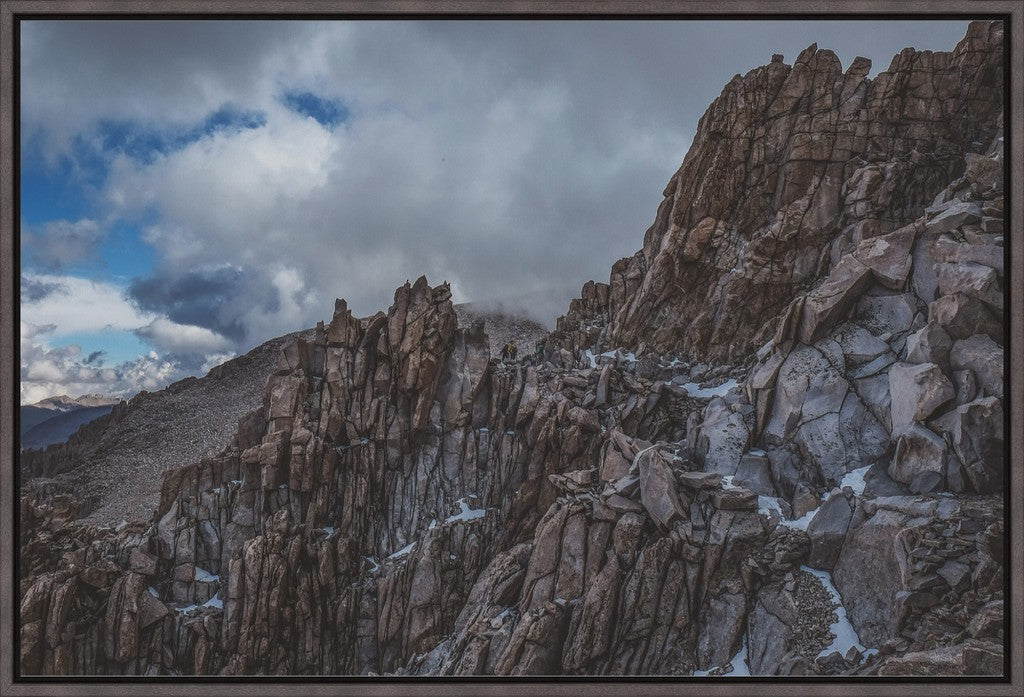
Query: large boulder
point(721, 439)
point(963, 315)
point(827, 531)
point(832, 300)
point(919, 460)
point(888, 256)
point(975, 430)
point(976, 280)
point(984, 358)
point(916, 391)
point(929, 344)
point(658, 492)
point(868, 575)
point(815, 409)
point(958, 214)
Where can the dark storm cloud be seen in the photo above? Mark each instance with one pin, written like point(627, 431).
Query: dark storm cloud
point(33, 290)
point(203, 297)
point(515, 159)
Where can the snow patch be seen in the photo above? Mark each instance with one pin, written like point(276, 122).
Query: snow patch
point(802, 522)
point(696, 391)
point(767, 504)
point(727, 483)
point(328, 529)
point(205, 576)
point(152, 592)
point(402, 552)
point(855, 480)
point(740, 667)
point(844, 633)
point(465, 513)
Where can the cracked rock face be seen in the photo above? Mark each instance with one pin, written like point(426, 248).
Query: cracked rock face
point(791, 167)
point(792, 464)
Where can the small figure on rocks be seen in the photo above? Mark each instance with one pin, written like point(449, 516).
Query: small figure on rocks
point(508, 352)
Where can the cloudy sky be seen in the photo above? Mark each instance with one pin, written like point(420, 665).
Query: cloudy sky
point(190, 189)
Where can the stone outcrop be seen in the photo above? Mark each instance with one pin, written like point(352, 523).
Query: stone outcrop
point(790, 167)
point(828, 502)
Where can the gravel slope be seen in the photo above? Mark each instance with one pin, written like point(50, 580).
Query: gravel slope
point(114, 464)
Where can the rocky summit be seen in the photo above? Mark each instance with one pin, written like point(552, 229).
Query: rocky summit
point(771, 444)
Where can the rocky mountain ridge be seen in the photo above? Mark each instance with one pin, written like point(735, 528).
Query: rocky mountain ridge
point(32, 415)
point(814, 493)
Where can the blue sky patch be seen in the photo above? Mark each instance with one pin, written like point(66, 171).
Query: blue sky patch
point(327, 112)
point(50, 193)
point(116, 345)
point(144, 142)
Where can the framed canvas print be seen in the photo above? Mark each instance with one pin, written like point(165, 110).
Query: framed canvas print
point(480, 348)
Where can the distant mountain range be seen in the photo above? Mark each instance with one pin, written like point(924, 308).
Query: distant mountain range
point(54, 419)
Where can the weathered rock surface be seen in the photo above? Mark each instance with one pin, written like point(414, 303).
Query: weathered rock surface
point(791, 167)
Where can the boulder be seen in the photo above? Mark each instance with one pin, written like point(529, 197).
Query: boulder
point(827, 530)
point(858, 344)
point(975, 280)
point(950, 251)
point(700, 480)
point(831, 301)
point(963, 316)
point(888, 256)
point(867, 575)
point(754, 473)
point(916, 391)
point(735, 499)
point(721, 439)
point(929, 344)
point(958, 214)
point(966, 386)
point(984, 358)
point(919, 460)
point(892, 313)
point(658, 492)
point(975, 431)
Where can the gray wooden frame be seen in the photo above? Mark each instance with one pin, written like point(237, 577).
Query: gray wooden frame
point(1013, 9)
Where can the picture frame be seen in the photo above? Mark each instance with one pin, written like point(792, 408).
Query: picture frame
point(11, 12)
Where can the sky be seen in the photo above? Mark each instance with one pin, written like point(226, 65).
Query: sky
point(190, 189)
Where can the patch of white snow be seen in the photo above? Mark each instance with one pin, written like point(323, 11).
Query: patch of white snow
point(402, 552)
point(465, 513)
point(698, 392)
point(844, 633)
point(205, 576)
point(855, 480)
